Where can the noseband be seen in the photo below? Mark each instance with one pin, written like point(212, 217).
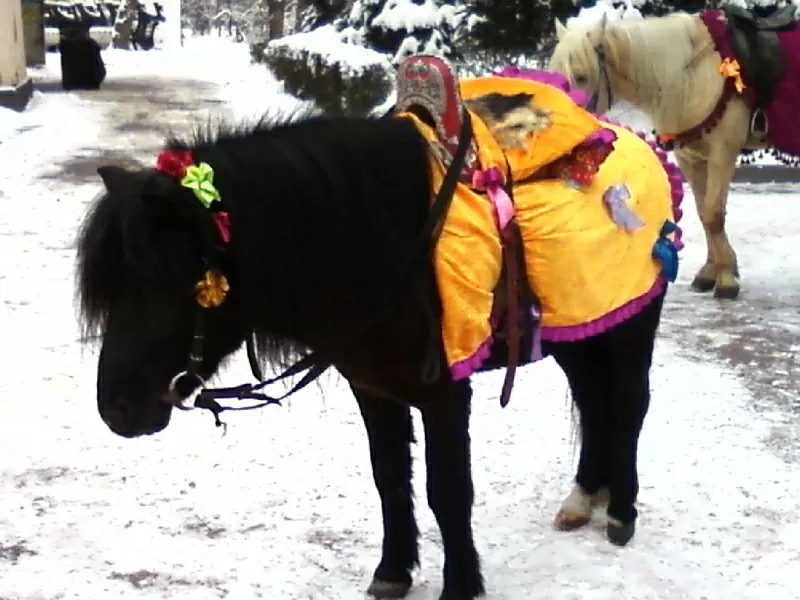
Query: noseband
point(184, 385)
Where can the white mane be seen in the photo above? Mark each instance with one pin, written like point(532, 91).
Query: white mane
point(648, 59)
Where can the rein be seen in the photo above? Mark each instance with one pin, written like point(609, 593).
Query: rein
point(602, 64)
point(185, 383)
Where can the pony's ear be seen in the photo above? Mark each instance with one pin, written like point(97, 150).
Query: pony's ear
point(561, 30)
point(597, 34)
point(165, 231)
point(115, 178)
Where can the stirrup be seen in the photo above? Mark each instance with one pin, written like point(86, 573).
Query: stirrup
point(759, 115)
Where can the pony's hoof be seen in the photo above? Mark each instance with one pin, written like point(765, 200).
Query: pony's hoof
point(702, 284)
point(730, 292)
point(460, 596)
point(388, 589)
point(618, 533)
point(569, 520)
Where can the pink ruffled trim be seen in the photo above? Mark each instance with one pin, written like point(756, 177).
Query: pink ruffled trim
point(573, 333)
point(464, 368)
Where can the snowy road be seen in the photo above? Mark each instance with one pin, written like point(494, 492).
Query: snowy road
point(283, 507)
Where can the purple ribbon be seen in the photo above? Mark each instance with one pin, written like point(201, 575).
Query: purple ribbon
point(615, 198)
point(557, 80)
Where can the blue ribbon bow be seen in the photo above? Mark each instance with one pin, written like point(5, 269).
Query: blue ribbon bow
point(666, 252)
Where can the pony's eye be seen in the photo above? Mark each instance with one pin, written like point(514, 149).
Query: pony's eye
point(581, 79)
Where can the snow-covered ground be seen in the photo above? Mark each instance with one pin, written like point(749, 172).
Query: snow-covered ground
point(283, 507)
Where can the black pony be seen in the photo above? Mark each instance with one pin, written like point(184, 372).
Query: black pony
point(321, 221)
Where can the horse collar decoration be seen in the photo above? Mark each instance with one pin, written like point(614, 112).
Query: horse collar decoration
point(351, 241)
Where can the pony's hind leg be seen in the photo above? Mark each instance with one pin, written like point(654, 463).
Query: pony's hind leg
point(631, 350)
point(588, 369)
point(576, 509)
point(450, 489)
point(390, 433)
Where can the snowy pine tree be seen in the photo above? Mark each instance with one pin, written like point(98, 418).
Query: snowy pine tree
point(518, 26)
point(401, 28)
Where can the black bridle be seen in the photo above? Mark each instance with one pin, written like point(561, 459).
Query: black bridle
point(602, 66)
point(185, 383)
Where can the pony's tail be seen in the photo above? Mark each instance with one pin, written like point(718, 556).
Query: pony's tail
point(575, 422)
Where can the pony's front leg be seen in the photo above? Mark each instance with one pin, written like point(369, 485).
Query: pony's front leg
point(694, 166)
point(390, 433)
point(721, 167)
point(719, 148)
point(450, 489)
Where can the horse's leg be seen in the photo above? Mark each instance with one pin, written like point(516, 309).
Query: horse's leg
point(587, 365)
point(390, 433)
point(695, 168)
point(450, 490)
point(721, 167)
point(721, 147)
point(631, 350)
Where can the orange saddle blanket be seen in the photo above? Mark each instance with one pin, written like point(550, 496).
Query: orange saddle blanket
point(594, 203)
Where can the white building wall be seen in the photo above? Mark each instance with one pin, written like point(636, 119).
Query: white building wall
point(12, 45)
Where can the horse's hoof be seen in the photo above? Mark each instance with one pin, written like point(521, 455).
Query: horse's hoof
point(459, 596)
point(618, 533)
point(568, 520)
point(702, 284)
point(730, 292)
point(388, 589)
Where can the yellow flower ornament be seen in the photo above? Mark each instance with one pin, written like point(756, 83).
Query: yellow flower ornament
point(212, 289)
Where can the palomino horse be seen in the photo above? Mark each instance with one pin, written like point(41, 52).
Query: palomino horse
point(684, 70)
point(307, 236)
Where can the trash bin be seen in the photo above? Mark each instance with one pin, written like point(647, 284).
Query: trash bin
point(82, 66)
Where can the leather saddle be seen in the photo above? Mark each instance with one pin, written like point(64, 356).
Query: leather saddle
point(757, 47)
point(427, 86)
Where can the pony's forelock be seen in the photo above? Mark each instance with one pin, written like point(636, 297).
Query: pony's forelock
point(574, 54)
point(99, 265)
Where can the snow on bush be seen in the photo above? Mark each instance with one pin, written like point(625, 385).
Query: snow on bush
point(326, 42)
point(341, 78)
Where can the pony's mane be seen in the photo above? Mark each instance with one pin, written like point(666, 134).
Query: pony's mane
point(659, 51)
point(322, 208)
point(217, 129)
point(655, 53)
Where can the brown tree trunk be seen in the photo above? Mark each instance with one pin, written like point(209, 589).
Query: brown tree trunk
point(276, 14)
point(123, 27)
